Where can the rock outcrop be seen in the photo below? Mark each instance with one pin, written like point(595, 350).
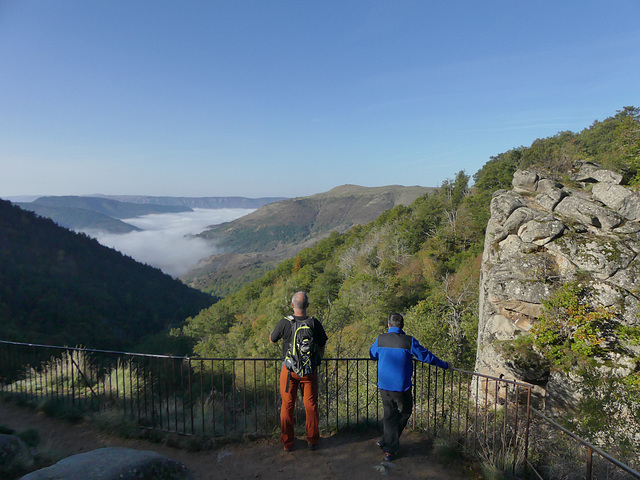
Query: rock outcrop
point(113, 464)
point(541, 235)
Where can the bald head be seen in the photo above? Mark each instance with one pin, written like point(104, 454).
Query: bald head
point(300, 302)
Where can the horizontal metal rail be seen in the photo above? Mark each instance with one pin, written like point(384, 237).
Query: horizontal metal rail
point(590, 449)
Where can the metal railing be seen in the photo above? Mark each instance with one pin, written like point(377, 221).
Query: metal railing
point(562, 454)
point(485, 416)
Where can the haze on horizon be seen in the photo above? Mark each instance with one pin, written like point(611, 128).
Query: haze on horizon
point(289, 99)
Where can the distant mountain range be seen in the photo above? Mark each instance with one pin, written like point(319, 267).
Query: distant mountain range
point(196, 202)
point(104, 212)
point(258, 241)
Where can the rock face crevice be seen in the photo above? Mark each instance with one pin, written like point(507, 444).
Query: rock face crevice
point(541, 235)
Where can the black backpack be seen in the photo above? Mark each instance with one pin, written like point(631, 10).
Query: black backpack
point(301, 356)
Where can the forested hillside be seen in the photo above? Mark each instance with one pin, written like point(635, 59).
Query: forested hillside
point(257, 242)
point(421, 260)
point(395, 263)
point(59, 287)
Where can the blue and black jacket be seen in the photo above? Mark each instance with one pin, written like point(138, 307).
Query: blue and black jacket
point(394, 352)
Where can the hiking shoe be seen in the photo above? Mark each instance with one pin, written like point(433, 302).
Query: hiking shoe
point(380, 444)
point(388, 457)
point(313, 447)
point(289, 449)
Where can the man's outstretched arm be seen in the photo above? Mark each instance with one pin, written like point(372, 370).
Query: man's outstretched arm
point(424, 355)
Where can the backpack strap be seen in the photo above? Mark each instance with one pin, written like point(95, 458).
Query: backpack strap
point(293, 331)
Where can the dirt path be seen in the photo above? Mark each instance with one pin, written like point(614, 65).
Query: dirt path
point(351, 456)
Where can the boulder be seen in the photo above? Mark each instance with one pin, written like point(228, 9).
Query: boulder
point(541, 231)
point(550, 197)
point(626, 278)
point(628, 228)
point(588, 212)
point(504, 203)
point(523, 215)
point(618, 198)
point(547, 185)
point(564, 393)
point(607, 176)
point(525, 181)
point(113, 464)
point(590, 172)
point(14, 455)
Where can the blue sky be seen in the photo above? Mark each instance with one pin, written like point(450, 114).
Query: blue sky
point(291, 98)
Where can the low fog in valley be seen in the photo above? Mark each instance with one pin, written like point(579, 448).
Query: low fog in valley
point(167, 240)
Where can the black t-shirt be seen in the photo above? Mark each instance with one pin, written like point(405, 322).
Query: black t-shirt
point(283, 331)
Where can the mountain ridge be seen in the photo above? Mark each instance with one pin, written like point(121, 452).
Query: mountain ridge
point(195, 202)
point(105, 212)
point(256, 242)
point(112, 208)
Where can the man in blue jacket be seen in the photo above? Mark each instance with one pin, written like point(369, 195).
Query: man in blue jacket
point(394, 352)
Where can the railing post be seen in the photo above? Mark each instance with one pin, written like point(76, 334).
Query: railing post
point(202, 397)
point(357, 391)
point(213, 400)
point(367, 362)
point(527, 431)
point(70, 371)
point(589, 463)
point(415, 369)
point(244, 396)
point(326, 389)
point(451, 404)
point(347, 389)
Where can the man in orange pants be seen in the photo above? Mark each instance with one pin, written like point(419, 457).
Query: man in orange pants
point(291, 381)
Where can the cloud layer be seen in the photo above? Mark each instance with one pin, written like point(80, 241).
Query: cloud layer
point(166, 241)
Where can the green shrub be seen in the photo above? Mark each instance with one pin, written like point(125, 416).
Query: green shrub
point(572, 329)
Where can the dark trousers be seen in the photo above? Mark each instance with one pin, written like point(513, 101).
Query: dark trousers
point(309, 387)
point(397, 408)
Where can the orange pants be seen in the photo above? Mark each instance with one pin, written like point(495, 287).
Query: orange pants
point(309, 387)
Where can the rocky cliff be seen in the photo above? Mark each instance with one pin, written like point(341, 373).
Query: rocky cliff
point(541, 235)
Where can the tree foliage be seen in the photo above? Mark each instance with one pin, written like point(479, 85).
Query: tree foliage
point(421, 260)
point(356, 279)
